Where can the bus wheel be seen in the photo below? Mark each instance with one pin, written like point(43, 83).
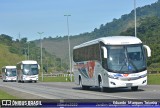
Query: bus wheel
point(80, 83)
point(134, 88)
point(82, 86)
point(101, 88)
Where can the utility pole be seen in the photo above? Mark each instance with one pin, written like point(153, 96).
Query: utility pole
point(28, 50)
point(40, 33)
point(135, 18)
point(69, 48)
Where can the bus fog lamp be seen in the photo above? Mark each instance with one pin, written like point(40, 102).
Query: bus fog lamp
point(113, 83)
point(144, 82)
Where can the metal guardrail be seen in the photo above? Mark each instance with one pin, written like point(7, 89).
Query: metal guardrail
point(56, 75)
point(154, 72)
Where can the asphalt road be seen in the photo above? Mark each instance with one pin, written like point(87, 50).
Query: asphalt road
point(67, 90)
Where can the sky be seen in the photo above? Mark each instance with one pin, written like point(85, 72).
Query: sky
point(25, 18)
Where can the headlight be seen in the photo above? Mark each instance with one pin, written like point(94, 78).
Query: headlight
point(144, 75)
point(113, 77)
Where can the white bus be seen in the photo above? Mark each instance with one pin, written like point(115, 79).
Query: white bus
point(27, 70)
point(111, 62)
point(9, 73)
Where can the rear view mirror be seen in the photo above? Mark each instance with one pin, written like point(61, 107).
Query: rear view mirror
point(21, 66)
point(148, 50)
point(38, 67)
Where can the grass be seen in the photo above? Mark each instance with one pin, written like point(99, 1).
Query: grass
point(8, 58)
point(56, 79)
point(154, 79)
point(4, 95)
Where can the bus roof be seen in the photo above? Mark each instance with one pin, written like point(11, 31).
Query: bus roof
point(112, 40)
point(9, 67)
point(28, 62)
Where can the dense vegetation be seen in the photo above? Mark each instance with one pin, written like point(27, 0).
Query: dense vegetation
point(14, 51)
point(6, 56)
point(148, 24)
point(148, 32)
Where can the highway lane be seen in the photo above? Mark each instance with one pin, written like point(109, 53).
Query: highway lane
point(67, 90)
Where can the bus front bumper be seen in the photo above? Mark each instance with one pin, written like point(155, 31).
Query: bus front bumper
point(30, 78)
point(113, 83)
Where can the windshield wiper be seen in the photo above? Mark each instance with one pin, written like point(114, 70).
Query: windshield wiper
point(130, 61)
point(123, 66)
point(125, 61)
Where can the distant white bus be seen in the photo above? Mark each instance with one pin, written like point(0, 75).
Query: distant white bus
point(9, 73)
point(27, 70)
point(111, 62)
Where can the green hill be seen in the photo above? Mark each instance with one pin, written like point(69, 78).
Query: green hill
point(8, 58)
point(149, 33)
point(13, 51)
point(59, 45)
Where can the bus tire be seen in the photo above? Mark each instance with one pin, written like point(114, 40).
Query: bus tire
point(86, 87)
point(134, 88)
point(80, 83)
point(101, 88)
point(82, 86)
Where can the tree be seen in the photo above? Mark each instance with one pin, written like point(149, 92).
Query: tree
point(23, 40)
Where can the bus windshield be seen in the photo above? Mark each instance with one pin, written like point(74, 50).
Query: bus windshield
point(30, 69)
point(11, 72)
point(126, 58)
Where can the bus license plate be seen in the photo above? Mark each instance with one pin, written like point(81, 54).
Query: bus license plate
point(128, 84)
